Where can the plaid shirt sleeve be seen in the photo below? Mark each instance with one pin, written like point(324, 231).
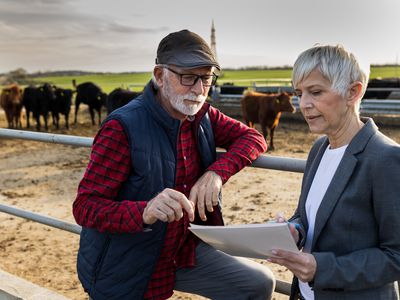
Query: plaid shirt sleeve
point(108, 168)
point(243, 144)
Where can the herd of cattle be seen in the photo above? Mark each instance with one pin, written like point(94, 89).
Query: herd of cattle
point(381, 88)
point(42, 101)
point(47, 99)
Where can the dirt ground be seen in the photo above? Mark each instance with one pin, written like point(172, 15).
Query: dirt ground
point(43, 178)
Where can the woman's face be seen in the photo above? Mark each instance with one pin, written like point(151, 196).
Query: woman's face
point(324, 109)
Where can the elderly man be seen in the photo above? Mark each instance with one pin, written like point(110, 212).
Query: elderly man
point(152, 171)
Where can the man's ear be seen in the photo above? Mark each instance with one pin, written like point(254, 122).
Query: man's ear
point(158, 75)
point(354, 92)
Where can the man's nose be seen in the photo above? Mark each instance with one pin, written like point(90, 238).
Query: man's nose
point(198, 87)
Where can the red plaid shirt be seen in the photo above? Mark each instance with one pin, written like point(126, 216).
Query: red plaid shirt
point(110, 166)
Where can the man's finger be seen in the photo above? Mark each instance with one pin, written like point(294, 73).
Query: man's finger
point(216, 196)
point(170, 210)
point(209, 199)
point(193, 195)
point(201, 204)
point(184, 203)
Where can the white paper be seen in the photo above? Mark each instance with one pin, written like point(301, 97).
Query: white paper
point(250, 240)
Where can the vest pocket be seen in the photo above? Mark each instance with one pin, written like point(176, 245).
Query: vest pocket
point(100, 260)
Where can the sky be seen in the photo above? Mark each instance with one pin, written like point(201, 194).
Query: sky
point(123, 35)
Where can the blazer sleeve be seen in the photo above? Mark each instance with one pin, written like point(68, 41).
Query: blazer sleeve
point(375, 266)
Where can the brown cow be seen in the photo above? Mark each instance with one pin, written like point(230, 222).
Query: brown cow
point(265, 109)
point(11, 102)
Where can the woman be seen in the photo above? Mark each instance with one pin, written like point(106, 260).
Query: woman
point(349, 208)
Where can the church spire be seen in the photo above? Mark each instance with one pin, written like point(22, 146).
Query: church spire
point(213, 42)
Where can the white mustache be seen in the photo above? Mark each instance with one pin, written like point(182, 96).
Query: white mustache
point(192, 97)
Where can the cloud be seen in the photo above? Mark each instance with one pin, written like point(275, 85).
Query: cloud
point(35, 3)
point(56, 19)
point(117, 27)
point(95, 34)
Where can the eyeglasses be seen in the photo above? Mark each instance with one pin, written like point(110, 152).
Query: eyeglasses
point(191, 79)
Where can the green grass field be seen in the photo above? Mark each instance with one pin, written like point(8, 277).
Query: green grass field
point(107, 82)
point(136, 81)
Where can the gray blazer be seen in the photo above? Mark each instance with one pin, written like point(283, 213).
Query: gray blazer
point(357, 230)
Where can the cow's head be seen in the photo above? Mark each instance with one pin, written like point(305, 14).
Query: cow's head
point(285, 102)
point(102, 97)
point(47, 92)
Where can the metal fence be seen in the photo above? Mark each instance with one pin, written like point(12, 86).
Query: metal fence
point(267, 162)
point(368, 106)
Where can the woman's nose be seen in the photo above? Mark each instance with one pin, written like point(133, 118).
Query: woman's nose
point(305, 101)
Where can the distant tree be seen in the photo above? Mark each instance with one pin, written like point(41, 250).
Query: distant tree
point(19, 76)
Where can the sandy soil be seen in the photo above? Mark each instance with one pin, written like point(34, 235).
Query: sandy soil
point(43, 178)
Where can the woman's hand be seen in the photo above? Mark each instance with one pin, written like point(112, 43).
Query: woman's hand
point(292, 227)
point(303, 265)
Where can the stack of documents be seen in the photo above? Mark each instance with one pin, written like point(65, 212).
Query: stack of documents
point(251, 240)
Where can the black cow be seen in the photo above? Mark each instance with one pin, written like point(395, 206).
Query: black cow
point(381, 83)
point(61, 105)
point(38, 100)
point(230, 88)
point(92, 95)
point(119, 97)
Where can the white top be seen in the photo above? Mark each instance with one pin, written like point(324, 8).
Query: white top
point(323, 177)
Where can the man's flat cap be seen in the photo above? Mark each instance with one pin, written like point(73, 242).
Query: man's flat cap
point(185, 49)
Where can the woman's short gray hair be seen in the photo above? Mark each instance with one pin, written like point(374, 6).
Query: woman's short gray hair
point(335, 63)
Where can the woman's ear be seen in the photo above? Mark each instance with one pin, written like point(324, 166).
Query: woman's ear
point(355, 92)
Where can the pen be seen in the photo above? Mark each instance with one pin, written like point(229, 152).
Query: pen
point(296, 225)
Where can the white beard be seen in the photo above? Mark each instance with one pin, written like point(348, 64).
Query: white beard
point(177, 101)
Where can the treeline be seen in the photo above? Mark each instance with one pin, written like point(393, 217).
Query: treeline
point(286, 67)
point(62, 73)
point(19, 76)
point(22, 77)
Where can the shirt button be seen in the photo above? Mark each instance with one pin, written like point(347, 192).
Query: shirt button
point(184, 186)
point(184, 157)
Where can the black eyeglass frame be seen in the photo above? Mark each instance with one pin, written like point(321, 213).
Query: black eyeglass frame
point(197, 77)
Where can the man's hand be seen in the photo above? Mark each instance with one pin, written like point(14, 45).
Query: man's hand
point(303, 265)
point(205, 193)
point(168, 206)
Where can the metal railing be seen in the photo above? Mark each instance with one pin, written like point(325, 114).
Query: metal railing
point(267, 162)
point(368, 106)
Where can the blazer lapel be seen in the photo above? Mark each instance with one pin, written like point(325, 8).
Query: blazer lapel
point(309, 177)
point(332, 195)
point(342, 176)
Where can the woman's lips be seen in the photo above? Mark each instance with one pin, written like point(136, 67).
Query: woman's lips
point(311, 117)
